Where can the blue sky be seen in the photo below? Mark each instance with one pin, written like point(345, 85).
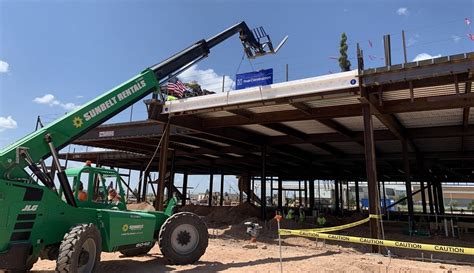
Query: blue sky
point(56, 56)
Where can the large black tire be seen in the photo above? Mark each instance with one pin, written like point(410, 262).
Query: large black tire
point(30, 262)
point(80, 250)
point(183, 238)
point(136, 251)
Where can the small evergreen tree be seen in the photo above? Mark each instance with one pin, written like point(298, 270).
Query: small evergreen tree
point(344, 62)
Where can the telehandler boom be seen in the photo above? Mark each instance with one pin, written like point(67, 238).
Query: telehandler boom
point(74, 220)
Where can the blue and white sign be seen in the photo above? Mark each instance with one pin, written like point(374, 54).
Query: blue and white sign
point(246, 80)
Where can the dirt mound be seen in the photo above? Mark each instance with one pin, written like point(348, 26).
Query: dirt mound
point(141, 206)
point(233, 215)
point(224, 215)
point(199, 210)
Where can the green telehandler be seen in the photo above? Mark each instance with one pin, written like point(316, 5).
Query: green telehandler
point(72, 215)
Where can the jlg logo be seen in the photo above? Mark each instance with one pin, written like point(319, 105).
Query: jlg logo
point(30, 208)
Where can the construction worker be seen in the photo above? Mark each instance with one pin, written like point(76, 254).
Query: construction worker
point(290, 214)
point(321, 220)
point(81, 194)
point(113, 196)
point(302, 217)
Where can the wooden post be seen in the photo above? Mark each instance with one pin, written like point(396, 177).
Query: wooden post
point(162, 165)
point(222, 190)
point(211, 182)
point(371, 169)
point(185, 189)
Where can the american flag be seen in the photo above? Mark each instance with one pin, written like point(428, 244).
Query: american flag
point(176, 88)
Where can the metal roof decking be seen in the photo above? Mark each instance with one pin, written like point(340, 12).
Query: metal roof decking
point(315, 127)
point(304, 87)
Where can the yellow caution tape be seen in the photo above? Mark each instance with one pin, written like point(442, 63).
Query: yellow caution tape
point(346, 226)
point(379, 242)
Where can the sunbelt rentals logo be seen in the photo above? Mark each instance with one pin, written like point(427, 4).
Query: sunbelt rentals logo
point(132, 229)
point(94, 112)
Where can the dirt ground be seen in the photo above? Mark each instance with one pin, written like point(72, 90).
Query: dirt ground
point(228, 254)
point(229, 250)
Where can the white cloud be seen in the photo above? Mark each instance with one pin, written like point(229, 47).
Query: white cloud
point(456, 38)
point(46, 99)
point(402, 11)
point(51, 100)
point(208, 79)
point(7, 123)
point(3, 67)
point(425, 56)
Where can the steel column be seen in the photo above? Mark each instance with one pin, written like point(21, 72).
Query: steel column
point(423, 197)
point(341, 197)
point(300, 197)
point(435, 196)
point(280, 194)
point(140, 182)
point(171, 179)
point(249, 190)
point(357, 195)
point(305, 193)
point(162, 165)
point(211, 185)
point(263, 185)
point(439, 192)
point(406, 163)
point(271, 191)
point(221, 201)
point(336, 196)
point(371, 169)
point(430, 197)
point(384, 197)
point(347, 196)
point(185, 189)
point(311, 195)
point(145, 185)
